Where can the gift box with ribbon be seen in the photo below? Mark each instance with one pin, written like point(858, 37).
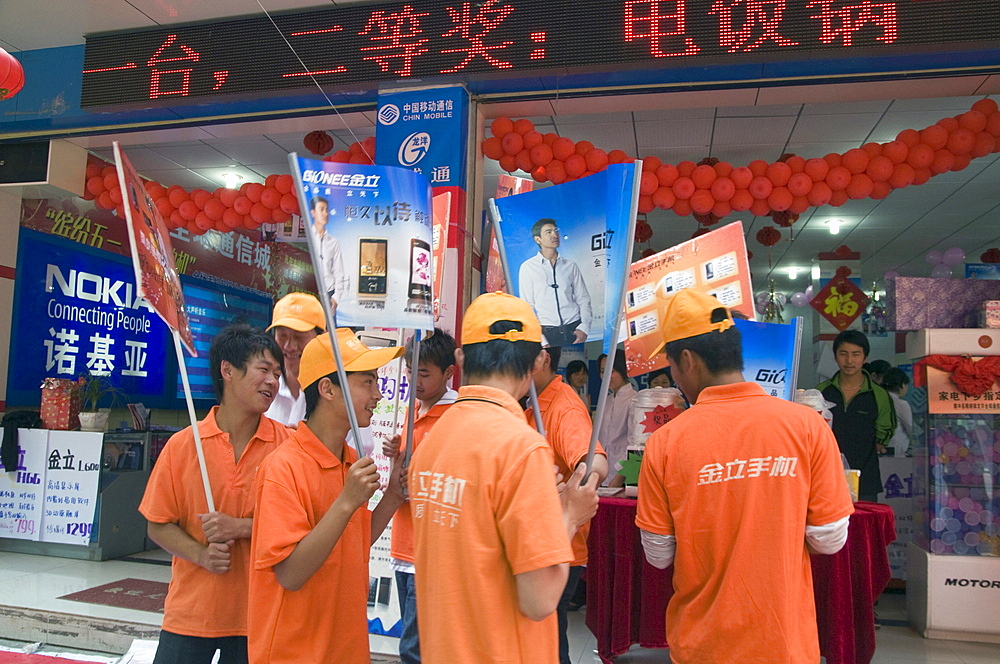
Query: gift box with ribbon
point(61, 399)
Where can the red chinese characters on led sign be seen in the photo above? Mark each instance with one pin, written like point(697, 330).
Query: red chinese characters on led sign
point(175, 76)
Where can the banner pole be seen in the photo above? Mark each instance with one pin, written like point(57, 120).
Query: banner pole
point(194, 420)
point(494, 215)
point(324, 300)
point(602, 398)
point(399, 373)
point(412, 399)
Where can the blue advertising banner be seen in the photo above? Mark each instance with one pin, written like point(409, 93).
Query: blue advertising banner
point(771, 355)
point(982, 270)
point(425, 131)
point(210, 307)
point(568, 248)
point(370, 238)
point(78, 313)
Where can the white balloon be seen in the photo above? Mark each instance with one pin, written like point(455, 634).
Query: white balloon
point(941, 271)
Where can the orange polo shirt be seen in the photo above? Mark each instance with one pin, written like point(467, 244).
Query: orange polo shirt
point(736, 479)
point(567, 428)
point(485, 508)
point(200, 603)
point(326, 620)
point(401, 542)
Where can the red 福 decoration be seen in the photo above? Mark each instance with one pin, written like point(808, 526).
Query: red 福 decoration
point(318, 142)
point(11, 75)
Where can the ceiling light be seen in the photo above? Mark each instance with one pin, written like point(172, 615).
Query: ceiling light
point(232, 180)
point(834, 225)
point(815, 273)
point(793, 272)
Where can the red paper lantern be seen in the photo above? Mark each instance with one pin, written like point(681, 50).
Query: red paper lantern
point(318, 142)
point(11, 75)
point(991, 256)
point(768, 236)
point(643, 231)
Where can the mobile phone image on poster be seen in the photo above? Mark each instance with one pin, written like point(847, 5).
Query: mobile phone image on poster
point(371, 236)
point(560, 242)
point(715, 262)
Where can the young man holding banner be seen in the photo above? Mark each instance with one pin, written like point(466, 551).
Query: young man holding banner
point(742, 486)
point(567, 429)
point(206, 605)
point(312, 531)
point(491, 530)
point(555, 289)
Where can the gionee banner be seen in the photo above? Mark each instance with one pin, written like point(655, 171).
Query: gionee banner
point(715, 262)
point(152, 255)
point(371, 238)
point(771, 355)
point(507, 185)
point(584, 227)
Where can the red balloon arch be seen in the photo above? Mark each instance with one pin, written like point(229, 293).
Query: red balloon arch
point(708, 190)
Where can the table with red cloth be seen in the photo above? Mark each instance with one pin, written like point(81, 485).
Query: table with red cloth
point(627, 597)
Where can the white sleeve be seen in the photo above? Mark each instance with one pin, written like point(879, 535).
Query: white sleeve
point(341, 283)
point(659, 548)
point(829, 538)
point(582, 300)
point(525, 292)
point(905, 415)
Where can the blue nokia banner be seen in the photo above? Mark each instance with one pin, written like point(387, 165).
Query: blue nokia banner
point(771, 355)
point(77, 312)
point(425, 131)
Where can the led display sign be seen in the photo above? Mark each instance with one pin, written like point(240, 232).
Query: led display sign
point(360, 44)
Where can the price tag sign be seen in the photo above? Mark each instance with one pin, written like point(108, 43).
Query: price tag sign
point(22, 487)
point(72, 473)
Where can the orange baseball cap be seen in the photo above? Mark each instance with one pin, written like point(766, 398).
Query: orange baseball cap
point(492, 307)
point(298, 311)
point(688, 313)
point(317, 357)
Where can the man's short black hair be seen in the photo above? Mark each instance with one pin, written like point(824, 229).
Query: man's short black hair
point(437, 349)
point(877, 367)
point(721, 351)
point(237, 344)
point(312, 392)
point(555, 352)
point(855, 337)
point(316, 200)
point(536, 228)
point(618, 366)
point(575, 367)
point(894, 379)
point(500, 356)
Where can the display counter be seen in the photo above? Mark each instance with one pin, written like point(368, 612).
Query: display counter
point(627, 597)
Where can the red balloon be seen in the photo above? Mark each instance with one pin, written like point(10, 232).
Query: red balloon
point(228, 196)
point(860, 186)
point(703, 177)
point(597, 159)
point(921, 175)
point(943, 161)
point(902, 176)
point(722, 209)
point(993, 124)
point(961, 161)
point(177, 196)
point(682, 207)
point(985, 106)
point(340, 157)
point(949, 124)
point(780, 199)
point(973, 120)
point(492, 148)
point(200, 197)
point(271, 198)
point(549, 138)
point(760, 208)
point(260, 213)
point(723, 189)
point(920, 156)
point(512, 143)
point(800, 184)
point(934, 136)
point(778, 173)
point(231, 218)
point(214, 208)
point(667, 174)
point(896, 151)
point(799, 205)
point(532, 138)
point(242, 205)
point(279, 216)
point(507, 162)
point(111, 181)
point(583, 147)
point(856, 161)
point(93, 169)
point(523, 126)
point(961, 141)
point(741, 200)
point(523, 160)
point(541, 154)
point(819, 194)
point(908, 137)
point(576, 165)
point(188, 210)
point(880, 190)
point(95, 185)
point(116, 195)
point(563, 148)
point(253, 191)
point(796, 163)
point(646, 204)
point(833, 159)
point(761, 187)
point(617, 157)
point(741, 177)
point(164, 207)
point(838, 198)
point(873, 149)
point(985, 144)
point(289, 203)
point(723, 169)
point(538, 174)
point(838, 178)
point(816, 169)
point(683, 188)
point(176, 220)
point(648, 183)
point(555, 171)
point(664, 198)
point(500, 127)
point(284, 184)
point(650, 164)
point(702, 201)
point(104, 201)
point(203, 221)
point(879, 169)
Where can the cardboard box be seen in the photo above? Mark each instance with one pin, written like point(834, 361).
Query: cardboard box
point(915, 303)
point(975, 341)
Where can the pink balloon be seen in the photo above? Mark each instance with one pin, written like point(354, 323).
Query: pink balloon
point(933, 257)
point(809, 292)
point(941, 271)
point(891, 274)
point(761, 307)
point(761, 298)
point(799, 299)
point(953, 256)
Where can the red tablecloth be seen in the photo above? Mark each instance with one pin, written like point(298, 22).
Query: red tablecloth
point(627, 597)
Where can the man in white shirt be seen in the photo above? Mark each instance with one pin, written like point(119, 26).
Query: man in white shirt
point(555, 289)
point(335, 278)
point(297, 319)
point(613, 433)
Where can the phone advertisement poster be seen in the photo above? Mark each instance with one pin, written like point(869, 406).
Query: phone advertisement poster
point(152, 254)
point(771, 355)
point(371, 239)
point(715, 262)
point(561, 243)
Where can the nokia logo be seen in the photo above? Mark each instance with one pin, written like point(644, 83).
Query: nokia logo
point(92, 287)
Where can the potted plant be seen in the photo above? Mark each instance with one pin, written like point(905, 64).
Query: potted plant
point(94, 389)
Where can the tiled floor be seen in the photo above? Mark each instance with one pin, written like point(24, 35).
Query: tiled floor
point(34, 583)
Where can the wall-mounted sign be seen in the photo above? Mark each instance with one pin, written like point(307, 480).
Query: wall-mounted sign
point(361, 44)
point(78, 313)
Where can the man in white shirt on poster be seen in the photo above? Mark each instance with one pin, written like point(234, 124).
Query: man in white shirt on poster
point(555, 289)
point(335, 277)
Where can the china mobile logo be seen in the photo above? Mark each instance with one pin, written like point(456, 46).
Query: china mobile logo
point(388, 114)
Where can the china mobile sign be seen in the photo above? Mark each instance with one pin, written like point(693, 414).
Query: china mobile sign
point(77, 312)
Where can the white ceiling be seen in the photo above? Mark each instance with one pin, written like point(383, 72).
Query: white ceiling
point(954, 209)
